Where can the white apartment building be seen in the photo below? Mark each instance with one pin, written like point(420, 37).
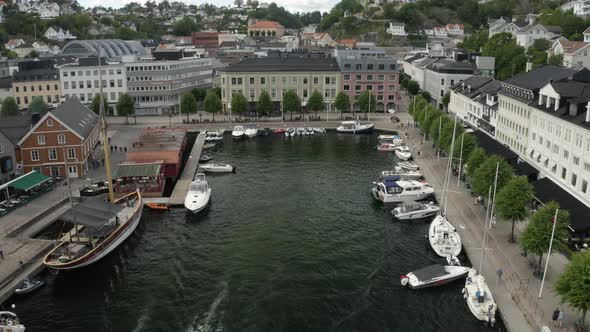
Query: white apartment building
point(526, 36)
point(575, 53)
point(396, 29)
point(579, 7)
point(58, 34)
point(475, 101)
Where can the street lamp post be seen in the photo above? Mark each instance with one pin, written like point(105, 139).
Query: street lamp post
point(229, 108)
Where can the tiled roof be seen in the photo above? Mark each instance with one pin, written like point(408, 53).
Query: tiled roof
point(587, 30)
point(347, 41)
point(452, 26)
point(572, 46)
point(266, 25)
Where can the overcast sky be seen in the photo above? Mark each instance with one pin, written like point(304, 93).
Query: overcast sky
point(291, 5)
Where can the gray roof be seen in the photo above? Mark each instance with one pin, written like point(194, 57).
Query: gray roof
point(478, 85)
point(77, 116)
point(15, 127)
point(111, 48)
point(290, 63)
point(536, 79)
point(550, 28)
point(5, 82)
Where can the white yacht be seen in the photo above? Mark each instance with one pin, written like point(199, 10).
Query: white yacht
point(390, 139)
point(251, 130)
point(214, 136)
point(198, 194)
point(444, 238)
point(9, 322)
point(217, 168)
point(290, 132)
point(300, 131)
point(355, 127)
point(433, 275)
point(394, 190)
point(238, 132)
point(319, 130)
point(403, 153)
point(479, 297)
point(409, 165)
point(403, 173)
point(415, 210)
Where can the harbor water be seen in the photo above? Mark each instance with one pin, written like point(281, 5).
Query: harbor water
point(292, 242)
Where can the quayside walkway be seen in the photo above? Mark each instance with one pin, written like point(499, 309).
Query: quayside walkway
point(181, 188)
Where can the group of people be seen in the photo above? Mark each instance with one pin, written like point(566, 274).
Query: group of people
point(558, 316)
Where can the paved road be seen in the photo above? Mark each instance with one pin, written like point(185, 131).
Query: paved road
point(517, 292)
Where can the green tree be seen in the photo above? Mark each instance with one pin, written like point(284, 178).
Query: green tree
point(95, 105)
point(217, 91)
point(573, 284)
point(555, 60)
point(199, 95)
point(367, 102)
point(475, 42)
point(510, 58)
point(11, 55)
point(184, 27)
point(469, 144)
point(484, 175)
point(537, 52)
point(38, 105)
point(342, 103)
point(32, 54)
point(212, 103)
point(9, 107)
point(536, 236)
point(291, 102)
point(264, 104)
point(188, 104)
point(513, 200)
point(316, 102)
point(475, 159)
point(125, 106)
point(446, 99)
point(413, 87)
point(425, 95)
point(239, 104)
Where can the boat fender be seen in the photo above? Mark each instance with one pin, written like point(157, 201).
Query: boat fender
point(404, 280)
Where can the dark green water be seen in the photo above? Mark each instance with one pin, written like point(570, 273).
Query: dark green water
point(292, 242)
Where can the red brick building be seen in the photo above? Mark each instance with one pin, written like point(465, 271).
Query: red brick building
point(71, 130)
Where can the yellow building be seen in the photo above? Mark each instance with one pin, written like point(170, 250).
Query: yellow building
point(36, 79)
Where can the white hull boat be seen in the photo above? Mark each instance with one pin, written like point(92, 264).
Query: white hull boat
point(319, 130)
point(479, 297)
point(238, 132)
point(394, 190)
point(355, 127)
point(415, 210)
point(390, 139)
point(444, 238)
point(309, 131)
point(434, 275)
point(251, 131)
point(214, 136)
point(403, 153)
point(290, 132)
point(300, 131)
point(9, 322)
point(386, 147)
point(217, 168)
point(403, 174)
point(408, 165)
point(29, 286)
point(198, 194)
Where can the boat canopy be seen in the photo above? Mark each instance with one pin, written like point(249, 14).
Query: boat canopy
point(93, 212)
point(430, 272)
point(391, 180)
point(198, 186)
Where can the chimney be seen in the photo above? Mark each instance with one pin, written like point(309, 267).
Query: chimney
point(529, 66)
point(588, 112)
point(573, 109)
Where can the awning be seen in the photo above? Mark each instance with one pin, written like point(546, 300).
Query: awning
point(553, 164)
point(544, 159)
point(92, 212)
point(127, 170)
point(536, 155)
point(525, 169)
point(491, 146)
point(29, 181)
point(547, 191)
point(529, 150)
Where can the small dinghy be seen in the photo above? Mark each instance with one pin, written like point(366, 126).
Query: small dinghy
point(479, 297)
point(279, 131)
point(157, 206)
point(408, 165)
point(205, 159)
point(290, 132)
point(300, 131)
point(217, 168)
point(403, 153)
point(309, 131)
point(319, 130)
point(404, 174)
point(207, 146)
point(433, 275)
point(415, 210)
point(214, 136)
point(443, 237)
point(29, 286)
point(387, 147)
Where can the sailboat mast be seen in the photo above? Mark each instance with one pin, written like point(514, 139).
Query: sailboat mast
point(66, 167)
point(103, 131)
point(494, 195)
point(449, 167)
point(485, 231)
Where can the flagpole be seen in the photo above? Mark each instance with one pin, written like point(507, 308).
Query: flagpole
point(548, 252)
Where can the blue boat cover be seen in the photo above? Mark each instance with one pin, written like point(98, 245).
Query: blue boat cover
point(391, 180)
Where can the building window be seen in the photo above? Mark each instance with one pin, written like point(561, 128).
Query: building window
point(391, 88)
point(370, 66)
point(347, 88)
point(381, 66)
point(584, 186)
point(316, 80)
point(55, 171)
point(347, 77)
point(34, 155)
point(262, 80)
point(251, 80)
point(379, 87)
point(1, 148)
point(563, 172)
point(304, 93)
point(576, 160)
point(327, 80)
point(41, 139)
point(442, 81)
point(305, 80)
point(71, 153)
point(369, 87)
point(357, 88)
point(381, 77)
point(52, 154)
point(566, 154)
point(391, 97)
point(574, 179)
point(358, 66)
point(61, 139)
point(392, 77)
point(49, 123)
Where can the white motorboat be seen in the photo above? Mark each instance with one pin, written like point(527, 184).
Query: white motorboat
point(9, 322)
point(453, 260)
point(403, 153)
point(443, 237)
point(198, 194)
point(214, 136)
point(251, 130)
point(290, 132)
point(300, 131)
point(415, 210)
point(394, 190)
point(408, 165)
point(355, 127)
point(238, 132)
point(217, 168)
point(309, 130)
point(433, 275)
point(404, 173)
point(319, 130)
point(391, 139)
point(29, 286)
point(479, 297)
point(387, 147)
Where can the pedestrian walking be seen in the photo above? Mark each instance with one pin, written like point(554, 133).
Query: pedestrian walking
point(555, 316)
point(560, 317)
point(111, 147)
point(499, 273)
point(1, 253)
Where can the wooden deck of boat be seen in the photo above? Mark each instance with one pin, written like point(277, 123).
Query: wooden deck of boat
point(181, 188)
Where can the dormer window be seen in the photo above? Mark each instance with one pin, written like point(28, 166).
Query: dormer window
point(49, 123)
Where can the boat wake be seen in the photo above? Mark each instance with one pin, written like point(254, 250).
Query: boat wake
point(206, 325)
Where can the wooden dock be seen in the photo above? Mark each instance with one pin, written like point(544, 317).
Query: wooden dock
point(181, 188)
